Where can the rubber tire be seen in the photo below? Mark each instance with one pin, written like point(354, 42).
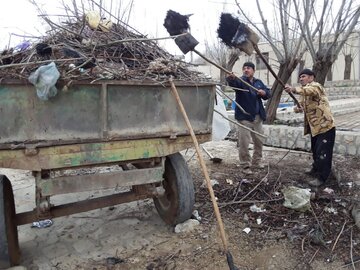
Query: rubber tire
point(177, 204)
point(9, 243)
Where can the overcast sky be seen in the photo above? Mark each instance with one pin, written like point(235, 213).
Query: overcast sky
point(147, 16)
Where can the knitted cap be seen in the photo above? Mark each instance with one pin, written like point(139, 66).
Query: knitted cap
point(249, 64)
point(307, 71)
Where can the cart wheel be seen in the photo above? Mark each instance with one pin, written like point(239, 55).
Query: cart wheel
point(176, 205)
point(9, 244)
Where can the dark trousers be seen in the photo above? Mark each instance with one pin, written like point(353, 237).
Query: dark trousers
point(322, 149)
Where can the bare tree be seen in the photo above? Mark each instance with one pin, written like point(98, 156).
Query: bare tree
point(221, 55)
point(333, 25)
point(286, 42)
point(316, 26)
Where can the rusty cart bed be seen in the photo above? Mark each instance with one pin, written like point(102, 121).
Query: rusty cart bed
point(135, 126)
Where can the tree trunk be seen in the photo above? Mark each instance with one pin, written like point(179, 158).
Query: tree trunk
point(321, 68)
point(301, 67)
point(284, 73)
point(329, 76)
point(348, 62)
point(233, 57)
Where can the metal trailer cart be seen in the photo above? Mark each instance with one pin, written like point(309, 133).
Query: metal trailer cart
point(134, 126)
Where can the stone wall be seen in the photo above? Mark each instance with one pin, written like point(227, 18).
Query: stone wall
point(346, 142)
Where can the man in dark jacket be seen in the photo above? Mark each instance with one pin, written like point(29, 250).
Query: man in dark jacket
point(251, 101)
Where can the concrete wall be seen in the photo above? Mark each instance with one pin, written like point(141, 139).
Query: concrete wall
point(346, 142)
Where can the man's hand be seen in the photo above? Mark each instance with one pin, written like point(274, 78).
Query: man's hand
point(298, 110)
point(261, 93)
point(289, 89)
point(231, 76)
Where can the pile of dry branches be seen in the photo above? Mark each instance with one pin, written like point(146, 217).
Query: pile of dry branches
point(84, 53)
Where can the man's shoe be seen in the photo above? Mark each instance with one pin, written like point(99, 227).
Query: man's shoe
point(247, 170)
point(315, 182)
point(258, 166)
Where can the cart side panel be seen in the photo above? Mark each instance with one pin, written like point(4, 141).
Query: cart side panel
point(100, 112)
point(153, 111)
point(67, 116)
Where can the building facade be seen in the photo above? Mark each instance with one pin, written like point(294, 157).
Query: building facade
point(348, 58)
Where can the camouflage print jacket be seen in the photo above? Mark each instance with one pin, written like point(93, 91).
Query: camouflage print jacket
point(317, 114)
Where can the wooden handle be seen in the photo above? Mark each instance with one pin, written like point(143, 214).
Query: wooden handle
point(273, 73)
point(202, 164)
point(207, 152)
point(224, 69)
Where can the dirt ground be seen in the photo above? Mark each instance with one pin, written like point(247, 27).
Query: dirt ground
point(132, 236)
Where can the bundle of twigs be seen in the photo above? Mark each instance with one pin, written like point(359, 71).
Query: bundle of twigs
point(84, 53)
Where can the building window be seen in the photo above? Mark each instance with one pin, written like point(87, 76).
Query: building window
point(259, 62)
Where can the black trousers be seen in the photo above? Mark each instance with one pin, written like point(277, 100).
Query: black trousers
point(322, 149)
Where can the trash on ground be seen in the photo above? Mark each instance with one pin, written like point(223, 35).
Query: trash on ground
point(329, 190)
point(186, 226)
point(195, 215)
point(213, 182)
point(229, 181)
point(256, 209)
point(42, 223)
point(331, 210)
point(114, 260)
point(296, 198)
point(258, 221)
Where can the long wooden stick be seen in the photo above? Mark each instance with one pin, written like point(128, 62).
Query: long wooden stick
point(138, 40)
point(273, 73)
point(242, 126)
point(224, 69)
point(233, 100)
point(202, 164)
point(39, 62)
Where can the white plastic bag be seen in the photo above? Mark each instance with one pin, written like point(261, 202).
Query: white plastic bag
point(44, 80)
point(296, 198)
point(220, 126)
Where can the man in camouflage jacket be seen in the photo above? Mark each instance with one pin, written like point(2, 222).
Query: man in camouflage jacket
point(318, 122)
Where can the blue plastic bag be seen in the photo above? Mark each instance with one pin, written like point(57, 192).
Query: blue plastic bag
point(44, 80)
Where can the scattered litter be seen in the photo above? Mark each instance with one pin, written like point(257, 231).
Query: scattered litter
point(296, 198)
point(258, 221)
point(331, 210)
point(349, 184)
point(329, 190)
point(229, 181)
point(316, 236)
point(256, 209)
point(213, 182)
point(245, 181)
point(44, 80)
point(22, 46)
point(247, 230)
point(195, 215)
point(186, 226)
point(343, 204)
point(42, 223)
point(114, 260)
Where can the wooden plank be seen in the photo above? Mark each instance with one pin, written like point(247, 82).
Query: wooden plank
point(89, 182)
